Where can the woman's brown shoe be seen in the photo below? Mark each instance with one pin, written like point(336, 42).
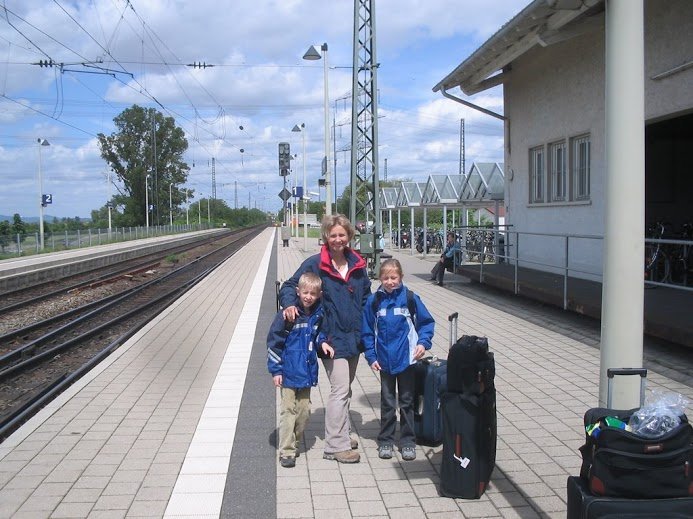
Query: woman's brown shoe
point(343, 456)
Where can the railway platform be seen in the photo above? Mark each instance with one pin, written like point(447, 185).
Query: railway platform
point(181, 421)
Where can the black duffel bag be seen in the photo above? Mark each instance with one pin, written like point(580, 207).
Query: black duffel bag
point(471, 367)
point(620, 463)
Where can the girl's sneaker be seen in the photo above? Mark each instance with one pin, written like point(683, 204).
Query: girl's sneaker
point(408, 453)
point(385, 452)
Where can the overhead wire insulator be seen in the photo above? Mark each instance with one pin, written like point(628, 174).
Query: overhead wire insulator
point(199, 64)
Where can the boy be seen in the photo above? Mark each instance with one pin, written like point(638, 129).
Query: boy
point(292, 361)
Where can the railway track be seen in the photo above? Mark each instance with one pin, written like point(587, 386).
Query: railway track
point(40, 360)
point(41, 291)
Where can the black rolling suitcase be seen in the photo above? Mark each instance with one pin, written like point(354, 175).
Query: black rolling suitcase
point(469, 420)
point(582, 504)
point(471, 367)
point(431, 384)
point(469, 444)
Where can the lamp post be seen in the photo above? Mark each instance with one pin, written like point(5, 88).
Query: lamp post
point(110, 203)
point(302, 130)
point(170, 206)
point(146, 200)
point(312, 54)
point(41, 142)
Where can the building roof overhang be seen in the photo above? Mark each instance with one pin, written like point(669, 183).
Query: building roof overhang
point(542, 22)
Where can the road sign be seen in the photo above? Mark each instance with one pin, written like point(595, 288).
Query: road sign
point(285, 194)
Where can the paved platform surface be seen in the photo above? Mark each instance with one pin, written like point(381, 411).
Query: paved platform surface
point(181, 421)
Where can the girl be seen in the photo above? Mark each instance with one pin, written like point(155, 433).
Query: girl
point(394, 340)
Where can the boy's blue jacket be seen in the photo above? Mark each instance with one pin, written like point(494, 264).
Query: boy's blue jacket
point(342, 299)
point(294, 354)
point(389, 335)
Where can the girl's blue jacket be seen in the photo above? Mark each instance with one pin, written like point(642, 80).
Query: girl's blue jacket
point(390, 335)
point(342, 299)
point(293, 354)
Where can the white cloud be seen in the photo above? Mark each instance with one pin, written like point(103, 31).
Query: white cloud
point(259, 81)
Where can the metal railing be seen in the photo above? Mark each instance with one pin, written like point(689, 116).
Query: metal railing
point(499, 244)
point(28, 244)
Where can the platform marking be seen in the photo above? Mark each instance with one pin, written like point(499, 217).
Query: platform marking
point(199, 489)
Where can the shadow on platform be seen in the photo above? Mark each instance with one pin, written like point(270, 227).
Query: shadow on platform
point(667, 310)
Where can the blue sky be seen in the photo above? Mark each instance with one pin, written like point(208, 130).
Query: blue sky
point(259, 82)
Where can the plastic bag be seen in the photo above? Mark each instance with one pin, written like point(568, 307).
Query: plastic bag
point(659, 416)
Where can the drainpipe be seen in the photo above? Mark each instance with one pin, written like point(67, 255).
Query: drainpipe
point(472, 105)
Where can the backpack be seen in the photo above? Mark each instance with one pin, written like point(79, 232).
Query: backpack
point(411, 303)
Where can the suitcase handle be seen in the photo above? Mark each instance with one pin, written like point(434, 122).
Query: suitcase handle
point(626, 371)
point(452, 319)
point(611, 372)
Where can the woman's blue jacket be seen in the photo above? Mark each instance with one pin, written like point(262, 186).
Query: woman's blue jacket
point(342, 299)
point(293, 354)
point(390, 335)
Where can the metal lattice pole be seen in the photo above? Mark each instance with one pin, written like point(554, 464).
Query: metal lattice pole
point(364, 130)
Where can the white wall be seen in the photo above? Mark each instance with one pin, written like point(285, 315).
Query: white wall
point(557, 92)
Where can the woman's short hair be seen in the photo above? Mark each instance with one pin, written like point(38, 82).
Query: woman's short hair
point(330, 221)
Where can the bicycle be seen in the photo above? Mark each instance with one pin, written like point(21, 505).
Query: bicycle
point(681, 257)
point(657, 263)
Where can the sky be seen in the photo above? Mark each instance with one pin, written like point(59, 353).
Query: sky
point(117, 53)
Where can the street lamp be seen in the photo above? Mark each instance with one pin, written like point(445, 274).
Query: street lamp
point(41, 142)
point(311, 55)
point(170, 207)
point(146, 200)
point(302, 131)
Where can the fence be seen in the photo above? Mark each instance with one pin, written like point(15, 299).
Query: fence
point(668, 263)
point(27, 244)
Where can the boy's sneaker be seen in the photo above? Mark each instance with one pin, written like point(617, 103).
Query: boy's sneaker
point(287, 463)
point(342, 456)
point(385, 452)
point(408, 453)
point(354, 443)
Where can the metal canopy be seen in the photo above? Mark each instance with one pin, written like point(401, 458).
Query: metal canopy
point(388, 197)
point(485, 180)
point(484, 184)
point(409, 195)
point(442, 189)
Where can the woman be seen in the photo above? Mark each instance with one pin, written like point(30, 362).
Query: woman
point(345, 287)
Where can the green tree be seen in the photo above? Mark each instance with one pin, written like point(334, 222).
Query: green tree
point(222, 214)
point(18, 227)
point(5, 234)
point(146, 143)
